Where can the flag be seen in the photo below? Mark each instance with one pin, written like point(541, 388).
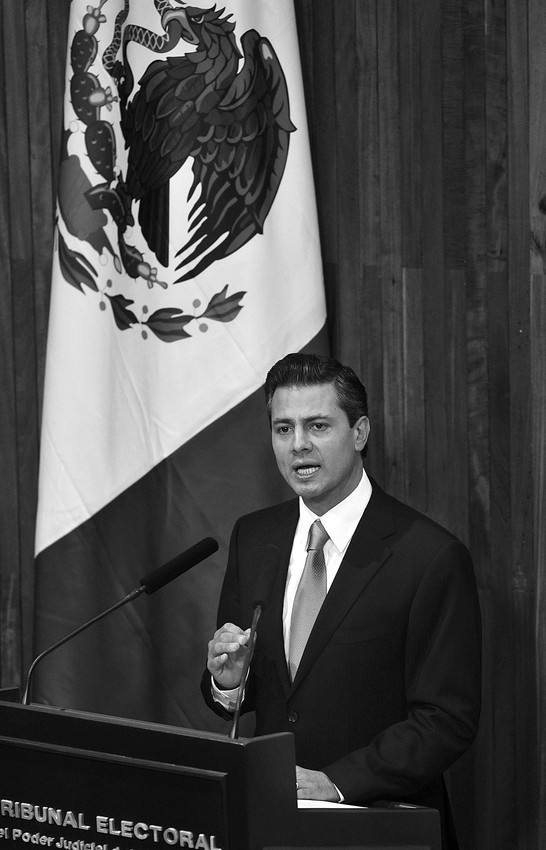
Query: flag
point(186, 263)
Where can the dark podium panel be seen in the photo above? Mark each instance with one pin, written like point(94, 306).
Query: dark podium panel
point(76, 781)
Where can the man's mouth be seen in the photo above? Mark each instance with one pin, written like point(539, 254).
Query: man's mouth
point(305, 471)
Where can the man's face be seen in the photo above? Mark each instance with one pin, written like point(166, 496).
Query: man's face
point(317, 450)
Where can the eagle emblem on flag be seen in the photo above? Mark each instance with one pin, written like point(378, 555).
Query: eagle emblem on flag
point(217, 107)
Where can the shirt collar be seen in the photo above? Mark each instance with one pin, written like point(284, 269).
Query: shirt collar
point(340, 521)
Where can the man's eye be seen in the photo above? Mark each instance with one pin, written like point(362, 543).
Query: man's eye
point(319, 426)
point(282, 429)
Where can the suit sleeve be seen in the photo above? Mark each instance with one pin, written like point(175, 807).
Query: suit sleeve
point(443, 689)
point(229, 611)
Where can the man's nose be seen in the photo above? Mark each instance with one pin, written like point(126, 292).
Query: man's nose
point(301, 441)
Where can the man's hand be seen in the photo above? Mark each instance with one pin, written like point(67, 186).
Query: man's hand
point(315, 785)
point(227, 651)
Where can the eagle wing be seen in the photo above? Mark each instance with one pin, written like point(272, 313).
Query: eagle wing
point(161, 128)
point(239, 159)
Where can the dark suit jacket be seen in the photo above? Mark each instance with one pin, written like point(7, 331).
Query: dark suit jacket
point(387, 694)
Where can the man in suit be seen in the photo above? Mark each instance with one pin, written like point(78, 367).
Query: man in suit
point(381, 687)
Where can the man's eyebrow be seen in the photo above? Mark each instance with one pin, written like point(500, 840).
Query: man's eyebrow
point(315, 416)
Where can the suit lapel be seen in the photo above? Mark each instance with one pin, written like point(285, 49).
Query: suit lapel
point(366, 553)
point(283, 539)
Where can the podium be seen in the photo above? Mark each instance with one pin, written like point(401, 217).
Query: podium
point(76, 781)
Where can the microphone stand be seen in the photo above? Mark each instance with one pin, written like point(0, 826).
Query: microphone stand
point(128, 598)
point(149, 584)
point(234, 731)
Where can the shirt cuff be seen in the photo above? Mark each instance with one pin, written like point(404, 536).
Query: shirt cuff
point(227, 699)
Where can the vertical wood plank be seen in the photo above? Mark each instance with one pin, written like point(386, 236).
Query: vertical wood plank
point(346, 70)
point(369, 305)
point(19, 244)
point(434, 321)
point(476, 205)
point(457, 404)
point(497, 299)
point(33, 38)
point(533, 547)
point(498, 713)
point(521, 422)
point(411, 156)
point(391, 247)
point(411, 53)
point(538, 360)
point(325, 150)
point(32, 276)
point(315, 21)
point(464, 787)
point(414, 394)
point(510, 591)
point(454, 240)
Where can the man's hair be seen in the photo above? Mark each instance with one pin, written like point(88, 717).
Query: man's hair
point(307, 370)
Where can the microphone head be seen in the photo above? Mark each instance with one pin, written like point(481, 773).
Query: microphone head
point(264, 585)
point(178, 565)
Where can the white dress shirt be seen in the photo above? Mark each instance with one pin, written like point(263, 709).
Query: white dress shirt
point(340, 523)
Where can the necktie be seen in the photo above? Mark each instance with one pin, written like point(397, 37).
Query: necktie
point(309, 595)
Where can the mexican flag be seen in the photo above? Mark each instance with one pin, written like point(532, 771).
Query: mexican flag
point(186, 263)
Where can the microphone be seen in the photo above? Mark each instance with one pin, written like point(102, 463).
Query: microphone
point(261, 598)
point(178, 565)
point(149, 584)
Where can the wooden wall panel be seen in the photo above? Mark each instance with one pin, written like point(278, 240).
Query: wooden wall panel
point(32, 51)
point(369, 334)
point(10, 585)
point(442, 326)
point(524, 402)
point(537, 619)
point(390, 240)
point(454, 257)
point(532, 406)
point(346, 225)
point(412, 144)
point(435, 342)
point(19, 331)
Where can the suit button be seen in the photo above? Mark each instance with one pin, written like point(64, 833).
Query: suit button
point(293, 716)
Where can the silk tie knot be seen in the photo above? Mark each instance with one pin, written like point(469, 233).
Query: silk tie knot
point(317, 537)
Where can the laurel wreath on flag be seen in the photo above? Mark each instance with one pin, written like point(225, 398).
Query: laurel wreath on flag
point(81, 207)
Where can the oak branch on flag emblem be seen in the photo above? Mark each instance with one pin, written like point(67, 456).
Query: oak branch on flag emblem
point(221, 109)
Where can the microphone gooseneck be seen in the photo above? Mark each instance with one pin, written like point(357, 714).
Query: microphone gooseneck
point(261, 598)
point(129, 598)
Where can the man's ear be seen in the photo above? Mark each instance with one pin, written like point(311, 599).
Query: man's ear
point(362, 432)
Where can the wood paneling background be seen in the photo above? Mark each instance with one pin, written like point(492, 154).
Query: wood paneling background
point(428, 143)
point(33, 37)
point(428, 129)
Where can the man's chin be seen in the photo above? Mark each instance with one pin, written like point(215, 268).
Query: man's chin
point(305, 482)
